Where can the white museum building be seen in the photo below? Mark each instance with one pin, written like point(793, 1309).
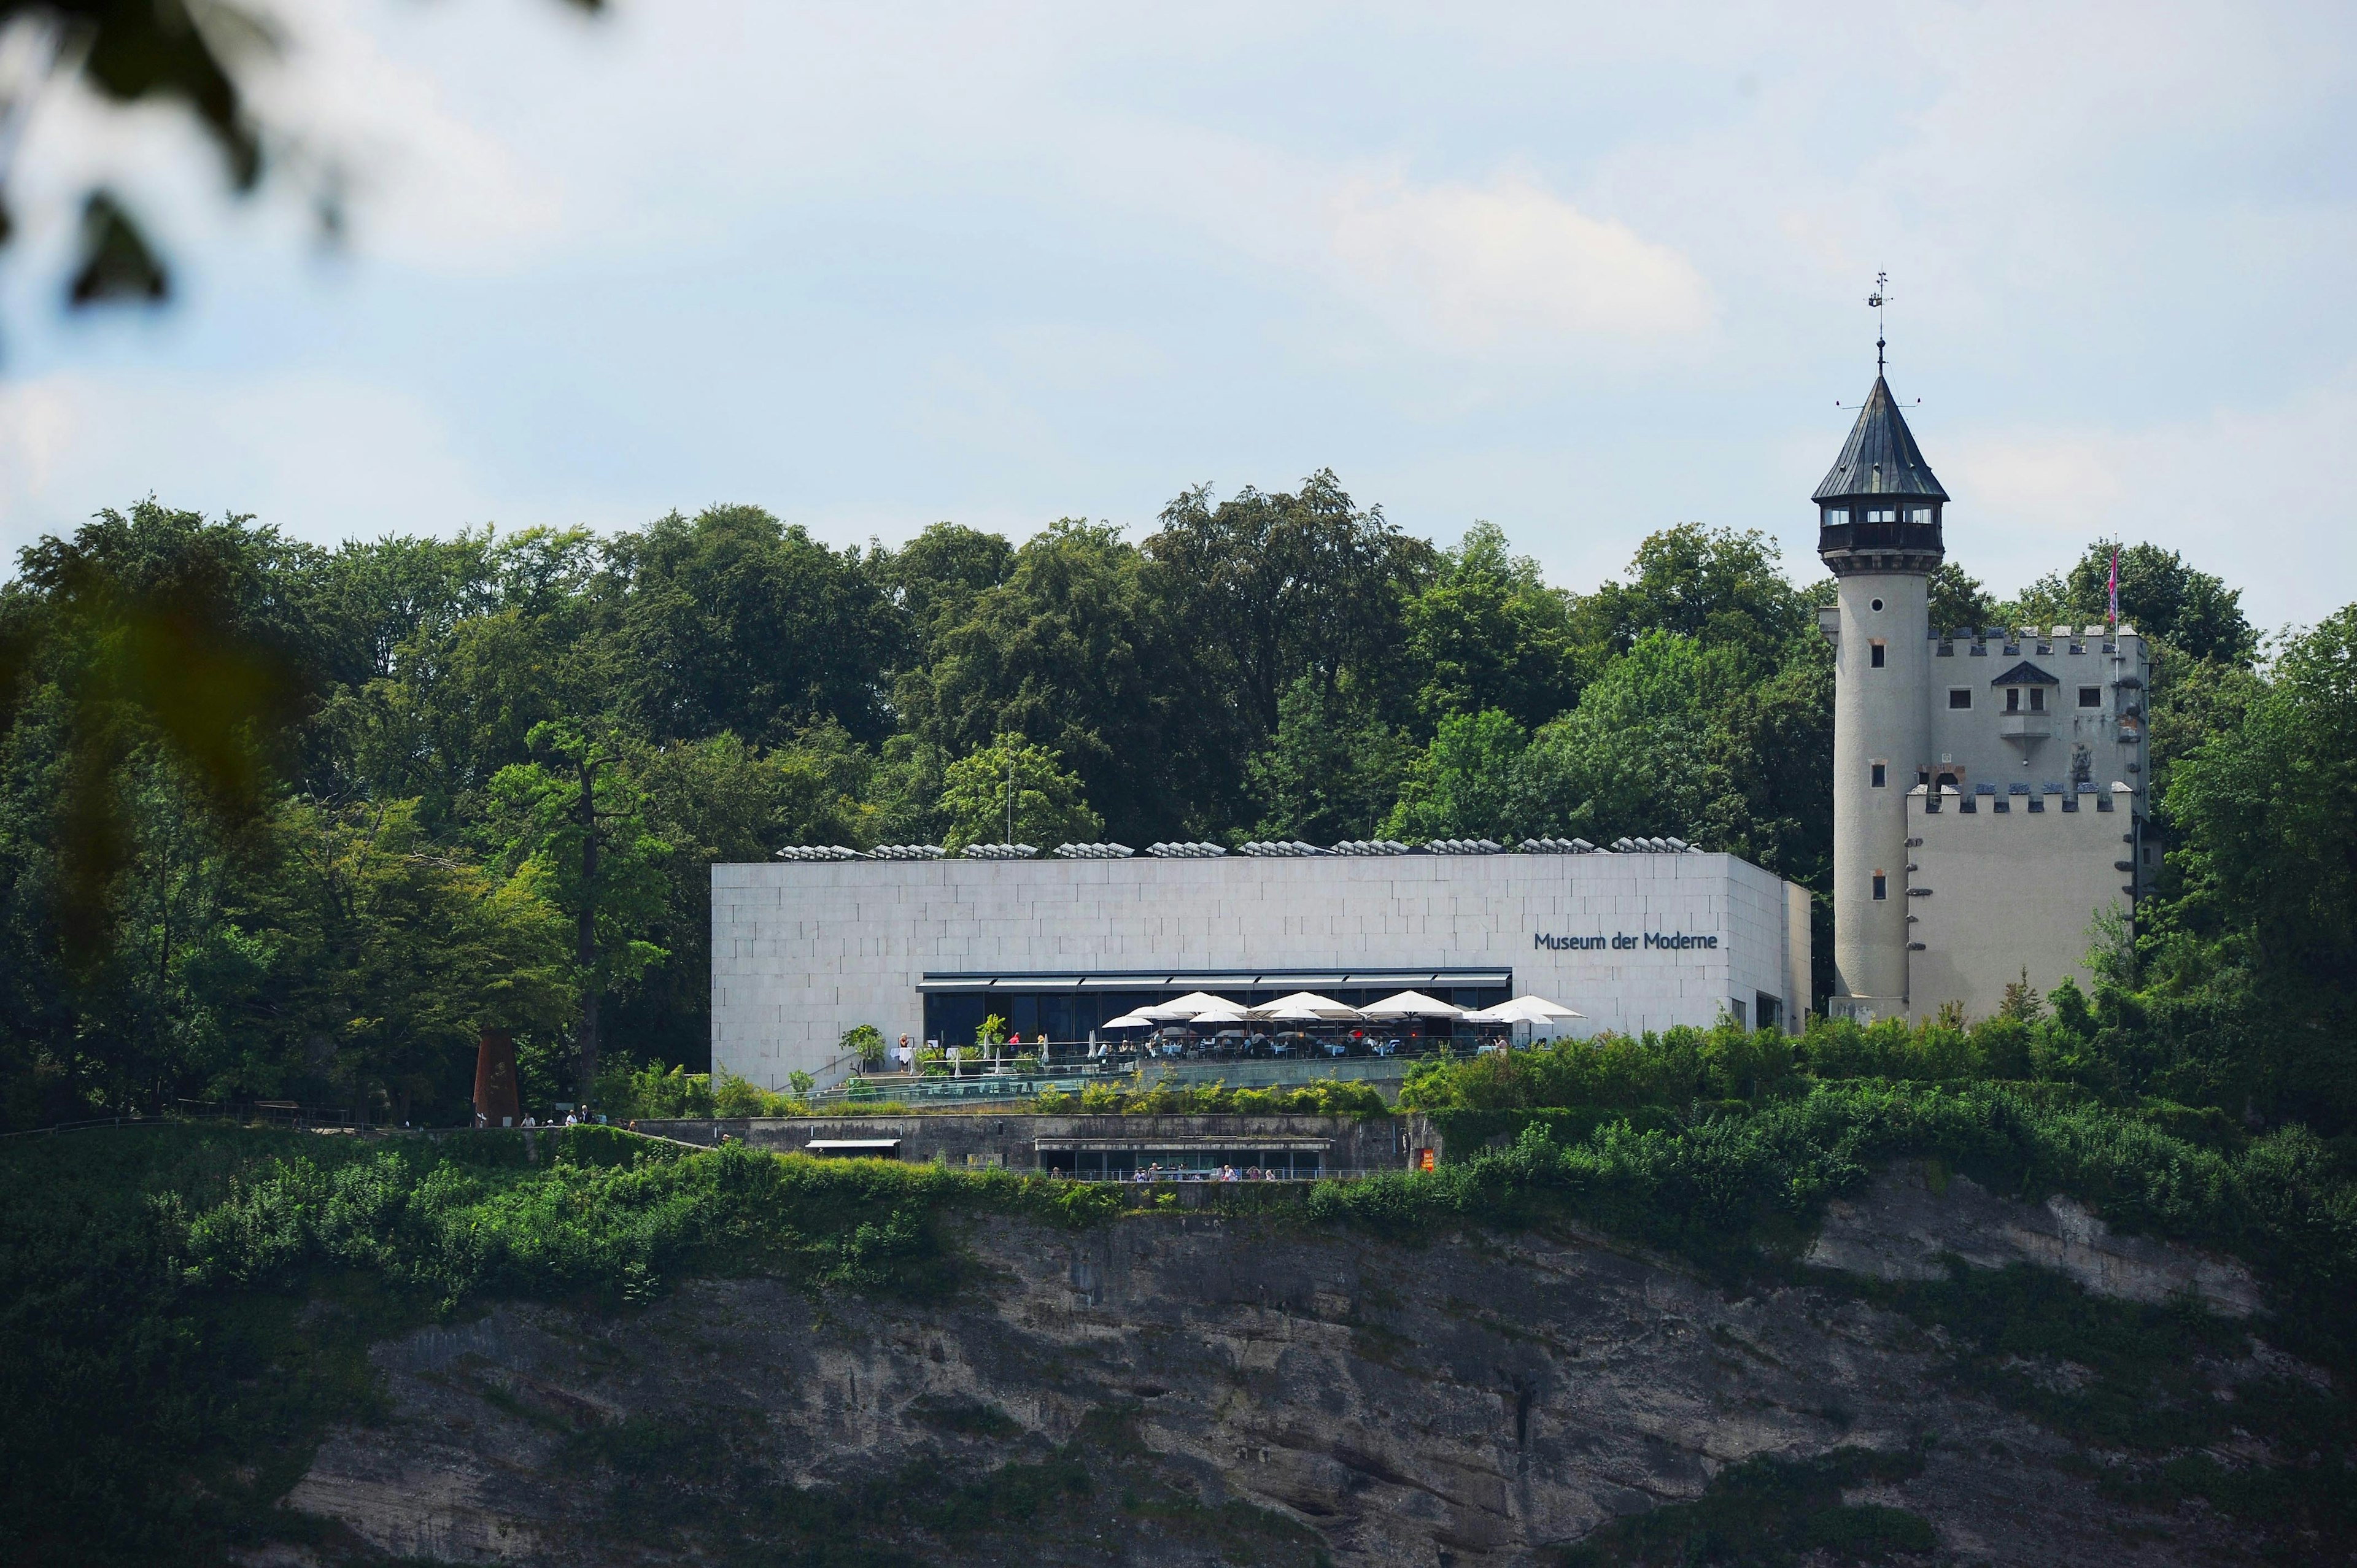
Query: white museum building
point(1641, 936)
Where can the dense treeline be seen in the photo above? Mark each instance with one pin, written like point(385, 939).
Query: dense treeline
point(279, 821)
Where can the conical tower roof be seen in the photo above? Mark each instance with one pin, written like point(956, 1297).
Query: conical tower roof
point(1880, 457)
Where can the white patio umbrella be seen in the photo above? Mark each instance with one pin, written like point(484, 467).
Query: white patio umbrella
point(1542, 1018)
point(1413, 1004)
point(1128, 1021)
point(1276, 1014)
point(1178, 1009)
point(1219, 1015)
point(1525, 1010)
point(1319, 1006)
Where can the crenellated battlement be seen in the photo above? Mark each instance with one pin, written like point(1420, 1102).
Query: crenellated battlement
point(2050, 798)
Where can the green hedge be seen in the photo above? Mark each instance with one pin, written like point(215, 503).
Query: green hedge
point(1725, 1182)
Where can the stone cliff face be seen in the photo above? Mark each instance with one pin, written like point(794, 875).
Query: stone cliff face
point(1477, 1400)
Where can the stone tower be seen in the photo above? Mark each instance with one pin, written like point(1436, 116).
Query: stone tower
point(1878, 533)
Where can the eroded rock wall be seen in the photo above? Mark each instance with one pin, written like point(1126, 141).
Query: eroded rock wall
point(1476, 1401)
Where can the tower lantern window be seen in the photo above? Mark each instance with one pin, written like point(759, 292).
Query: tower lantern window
point(1882, 514)
point(1919, 514)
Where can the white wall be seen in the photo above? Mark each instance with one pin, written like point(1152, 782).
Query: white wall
point(804, 949)
point(2010, 891)
point(1967, 743)
point(1879, 716)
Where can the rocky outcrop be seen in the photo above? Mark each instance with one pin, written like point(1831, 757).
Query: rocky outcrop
point(1476, 1401)
point(1916, 1217)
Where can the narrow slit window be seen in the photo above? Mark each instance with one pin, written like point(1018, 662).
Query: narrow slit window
point(1880, 773)
point(1875, 653)
point(1881, 886)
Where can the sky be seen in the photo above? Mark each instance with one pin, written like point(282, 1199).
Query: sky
point(1583, 271)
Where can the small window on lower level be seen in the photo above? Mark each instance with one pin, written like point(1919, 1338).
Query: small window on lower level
point(1960, 696)
point(2091, 696)
point(1880, 774)
point(1881, 886)
point(1875, 653)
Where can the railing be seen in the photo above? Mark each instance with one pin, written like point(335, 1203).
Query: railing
point(1069, 1058)
point(1209, 1178)
point(84, 1124)
point(268, 1112)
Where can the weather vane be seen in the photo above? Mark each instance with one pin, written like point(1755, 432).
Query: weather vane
point(1877, 299)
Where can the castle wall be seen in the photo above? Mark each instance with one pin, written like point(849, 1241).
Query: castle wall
point(1984, 745)
point(1993, 892)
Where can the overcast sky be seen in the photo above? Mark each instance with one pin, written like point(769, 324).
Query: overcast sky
point(1583, 271)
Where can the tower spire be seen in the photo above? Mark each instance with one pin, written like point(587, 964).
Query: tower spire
point(1877, 299)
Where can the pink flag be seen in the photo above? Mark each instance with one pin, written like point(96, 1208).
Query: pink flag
point(2116, 587)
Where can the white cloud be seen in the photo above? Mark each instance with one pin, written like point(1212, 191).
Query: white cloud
point(1473, 268)
point(323, 457)
point(432, 187)
point(2254, 496)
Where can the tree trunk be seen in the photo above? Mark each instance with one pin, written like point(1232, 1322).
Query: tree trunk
point(586, 950)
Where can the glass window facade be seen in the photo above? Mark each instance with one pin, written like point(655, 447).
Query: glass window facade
point(1063, 1011)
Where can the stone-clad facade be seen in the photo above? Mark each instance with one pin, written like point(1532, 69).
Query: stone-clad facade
point(803, 950)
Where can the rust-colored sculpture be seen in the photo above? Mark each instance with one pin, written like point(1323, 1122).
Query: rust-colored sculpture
point(495, 1081)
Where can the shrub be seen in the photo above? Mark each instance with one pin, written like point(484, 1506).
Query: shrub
point(736, 1096)
point(1167, 1097)
point(866, 1042)
point(655, 1091)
